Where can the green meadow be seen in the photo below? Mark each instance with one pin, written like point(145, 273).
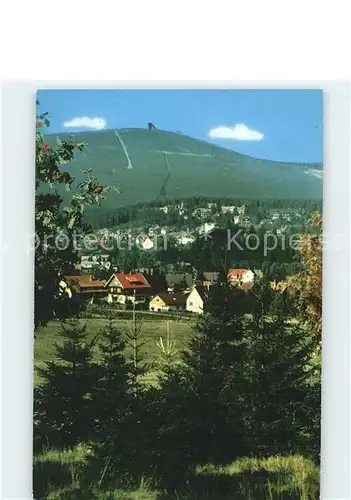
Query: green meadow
point(153, 327)
point(76, 474)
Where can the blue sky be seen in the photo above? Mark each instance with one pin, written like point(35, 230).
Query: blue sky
point(284, 125)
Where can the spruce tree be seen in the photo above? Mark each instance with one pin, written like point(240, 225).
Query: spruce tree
point(135, 344)
point(278, 412)
point(63, 400)
point(111, 404)
point(216, 363)
point(197, 427)
point(122, 409)
point(111, 387)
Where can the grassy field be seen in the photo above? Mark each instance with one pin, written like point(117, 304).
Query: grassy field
point(153, 327)
point(74, 473)
point(71, 475)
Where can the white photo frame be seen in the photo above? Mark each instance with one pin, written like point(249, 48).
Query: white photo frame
point(17, 195)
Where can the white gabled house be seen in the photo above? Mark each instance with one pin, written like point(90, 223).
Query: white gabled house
point(196, 299)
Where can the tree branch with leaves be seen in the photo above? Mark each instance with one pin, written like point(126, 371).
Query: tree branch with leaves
point(58, 221)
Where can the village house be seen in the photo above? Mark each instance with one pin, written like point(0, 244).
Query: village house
point(87, 262)
point(144, 242)
point(95, 261)
point(211, 278)
point(242, 220)
point(180, 208)
point(184, 238)
point(153, 230)
point(105, 260)
point(245, 221)
point(146, 271)
point(179, 282)
point(282, 214)
point(201, 212)
point(128, 289)
point(240, 277)
point(164, 302)
point(195, 301)
point(281, 230)
point(83, 287)
point(206, 279)
point(206, 228)
point(227, 209)
point(241, 210)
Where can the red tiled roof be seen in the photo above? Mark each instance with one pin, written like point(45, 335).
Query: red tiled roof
point(132, 280)
point(236, 273)
point(83, 282)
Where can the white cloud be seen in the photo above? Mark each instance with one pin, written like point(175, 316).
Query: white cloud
point(86, 122)
point(239, 132)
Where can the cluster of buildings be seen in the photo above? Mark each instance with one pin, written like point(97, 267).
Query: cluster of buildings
point(128, 290)
point(209, 211)
point(207, 219)
point(284, 214)
point(93, 261)
point(210, 208)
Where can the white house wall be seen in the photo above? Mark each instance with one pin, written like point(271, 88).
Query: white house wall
point(194, 303)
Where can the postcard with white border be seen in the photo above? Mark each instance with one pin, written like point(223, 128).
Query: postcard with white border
point(178, 294)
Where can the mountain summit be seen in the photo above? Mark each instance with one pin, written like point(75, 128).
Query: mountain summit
point(151, 164)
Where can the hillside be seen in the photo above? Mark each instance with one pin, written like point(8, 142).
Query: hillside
point(133, 159)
